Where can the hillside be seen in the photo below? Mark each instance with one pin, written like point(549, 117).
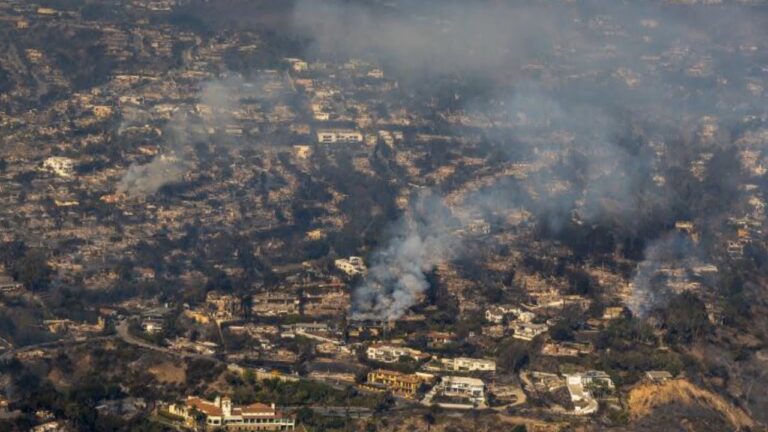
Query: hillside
point(693, 407)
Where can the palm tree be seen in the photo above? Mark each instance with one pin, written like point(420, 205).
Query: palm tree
point(199, 417)
point(429, 418)
point(246, 304)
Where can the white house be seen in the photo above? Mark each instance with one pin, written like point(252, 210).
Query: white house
point(221, 413)
point(496, 314)
point(463, 364)
point(297, 65)
point(470, 388)
point(51, 426)
point(527, 331)
point(61, 166)
point(339, 136)
point(351, 266)
point(579, 385)
point(392, 353)
point(152, 326)
point(583, 401)
point(658, 376)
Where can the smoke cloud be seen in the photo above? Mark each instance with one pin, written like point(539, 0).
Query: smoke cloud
point(667, 264)
point(425, 37)
point(422, 239)
point(582, 171)
point(217, 101)
point(141, 180)
point(566, 84)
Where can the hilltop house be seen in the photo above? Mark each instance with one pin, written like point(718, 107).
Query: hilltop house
point(400, 384)
point(583, 388)
point(352, 266)
point(392, 354)
point(472, 389)
point(527, 331)
point(462, 364)
point(333, 136)
point(221, 413)
point(496, 314)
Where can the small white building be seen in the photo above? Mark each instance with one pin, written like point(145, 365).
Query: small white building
point(376, 73)
point(470, 388)
point(352, 266)
point(527, 331)
point(579, 385)
point(392, 353)
point(463, 364)
point(61, 166)
point(152, 326)
point(583, 402)
point(297, 65)
point(657, 377)
point(51, 426)
point(496, 314)
point(339, 136)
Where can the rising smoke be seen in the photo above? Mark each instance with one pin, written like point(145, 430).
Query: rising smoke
point(165, 168)
point(605, 182)
point(617, 80)
point(421, 240)
point(670, 257)
point(216, 103)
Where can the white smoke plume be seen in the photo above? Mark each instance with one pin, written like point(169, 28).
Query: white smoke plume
point(602, 54)
point(424, 37)
point(141, 180)
point(421, 240)
point(667, 261)
point(425, 237)
point(217, 101)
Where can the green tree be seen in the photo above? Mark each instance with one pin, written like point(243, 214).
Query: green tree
point(430, 417)
point(686, 318)
point(512, 355)
point(570, 320)
point(33, 271)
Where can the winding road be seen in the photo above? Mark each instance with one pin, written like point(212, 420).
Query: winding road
point(126, 336)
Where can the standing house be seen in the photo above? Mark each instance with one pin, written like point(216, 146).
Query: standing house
point(339, 136)
point(463, 364)
point(400, 384)
point(221, 413)
point(392, 354)
point(470, 388)
point(352, 266)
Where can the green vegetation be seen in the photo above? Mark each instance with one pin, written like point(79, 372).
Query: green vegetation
point(513, 355)
point(628, 348)
point(625, 334)
point(291, 393)
point(315, 422)
point(569, 322)
point(686, 319)
point(27, 266)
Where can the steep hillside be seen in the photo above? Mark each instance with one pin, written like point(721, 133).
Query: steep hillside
point(689, 403)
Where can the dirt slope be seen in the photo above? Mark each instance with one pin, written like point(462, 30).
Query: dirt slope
point(646, 398)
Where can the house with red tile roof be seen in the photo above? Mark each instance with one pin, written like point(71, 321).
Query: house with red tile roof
point(221, 413)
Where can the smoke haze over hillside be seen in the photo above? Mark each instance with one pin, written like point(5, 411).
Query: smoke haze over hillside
point(619, 82)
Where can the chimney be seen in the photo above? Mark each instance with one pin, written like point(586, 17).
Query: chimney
point(273, 405)
point(226, 406)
